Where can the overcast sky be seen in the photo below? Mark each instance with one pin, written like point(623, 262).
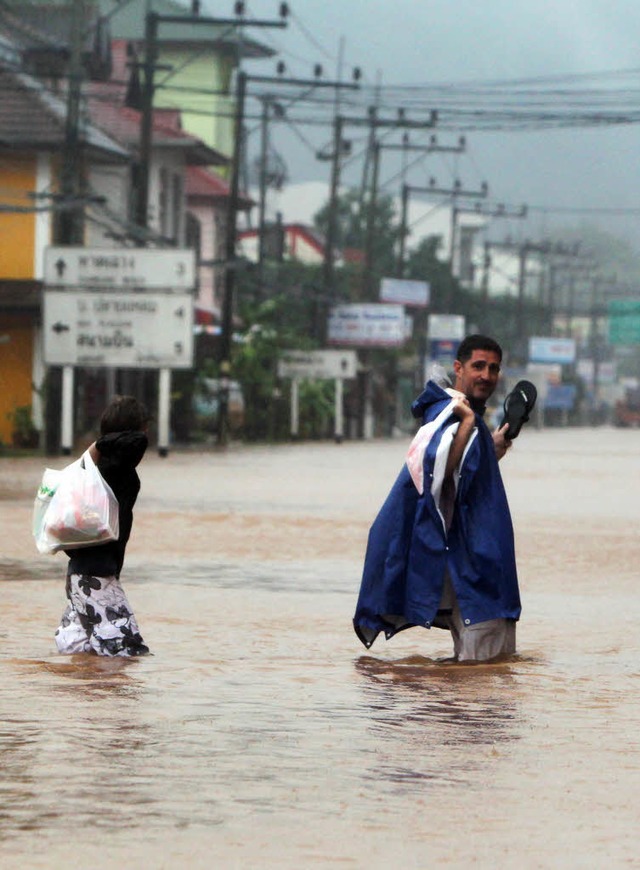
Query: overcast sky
point(422, 42)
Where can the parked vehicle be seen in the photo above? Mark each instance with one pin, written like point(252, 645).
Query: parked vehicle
point(627, 410)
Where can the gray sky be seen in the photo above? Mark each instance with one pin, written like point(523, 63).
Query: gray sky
point(422, 42)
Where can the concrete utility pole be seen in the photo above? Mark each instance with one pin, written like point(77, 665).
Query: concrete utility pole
point(367, 272)
point(70, 229)
point(339, 150)
point(574, 272)
point(455, 192)
point(340, 147)
point(524, 250)
point(499, 211)
point(153, 21)
point(432, 148)
point(67, 230)
point(231, 230)
point(268, 105)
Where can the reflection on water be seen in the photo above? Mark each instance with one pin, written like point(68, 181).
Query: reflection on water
point(438, 711)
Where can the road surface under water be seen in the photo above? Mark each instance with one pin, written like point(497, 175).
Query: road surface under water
point(262, 734)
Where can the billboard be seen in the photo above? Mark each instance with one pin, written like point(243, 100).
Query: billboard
point(552, 350)
point(446, 326)
point(624, 321)
point(402, 291)
point(367, 325)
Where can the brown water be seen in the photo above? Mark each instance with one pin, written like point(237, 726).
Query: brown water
point(262, 734)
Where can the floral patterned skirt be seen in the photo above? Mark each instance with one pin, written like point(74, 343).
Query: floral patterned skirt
point(98, 619)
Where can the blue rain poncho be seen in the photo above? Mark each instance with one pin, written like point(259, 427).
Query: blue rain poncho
point(410, 548)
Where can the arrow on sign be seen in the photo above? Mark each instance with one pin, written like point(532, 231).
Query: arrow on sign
point(60, 267)
point(179, 312)
point(60, 327)
point(180, 268)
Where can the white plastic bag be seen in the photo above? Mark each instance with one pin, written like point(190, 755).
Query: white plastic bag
point(46, 490)
point(74, 508)
point(418, 447)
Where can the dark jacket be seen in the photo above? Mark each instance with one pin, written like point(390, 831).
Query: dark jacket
point(409, 548)
point(120, 453)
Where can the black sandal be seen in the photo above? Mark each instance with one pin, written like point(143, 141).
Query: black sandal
point(518, 405)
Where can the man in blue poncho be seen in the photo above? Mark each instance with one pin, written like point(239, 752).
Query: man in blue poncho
point(441, 551)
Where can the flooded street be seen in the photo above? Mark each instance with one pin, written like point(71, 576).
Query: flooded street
point(261, 733)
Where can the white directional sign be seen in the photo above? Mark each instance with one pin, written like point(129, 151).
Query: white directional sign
point(318, 364)
point(120, 268)
point(118, 330)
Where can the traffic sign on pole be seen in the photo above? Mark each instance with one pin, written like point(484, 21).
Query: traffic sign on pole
point(118, 330)
point(624, 321)
point(120, 268)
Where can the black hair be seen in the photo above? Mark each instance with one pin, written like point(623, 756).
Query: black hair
point(477, 342)
point(122, 414)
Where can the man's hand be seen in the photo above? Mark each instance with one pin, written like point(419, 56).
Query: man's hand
point(462, 409)
point(464, 412)
point(501, 441)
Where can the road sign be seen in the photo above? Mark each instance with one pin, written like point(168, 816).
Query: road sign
point(405, 292)
point(552, 350)
point(367, 325)
point(318, 364)
point(118, 330)
point(447, 326)
point(120, 268)
point(624, 321)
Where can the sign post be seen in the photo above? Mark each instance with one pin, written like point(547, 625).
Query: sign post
point(120, 268)
point(624, 321)
point(338, 365)
point(118, 308)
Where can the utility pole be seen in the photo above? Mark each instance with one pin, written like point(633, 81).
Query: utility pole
point(339, 149)
point(146, 118)
point(271, 109)
point(367, 272)
point(231, 231)
point(374, 122)
point(332, 216)
point(499, 211)
point(262, 206)
point(404, 230)
point(454, 192)
point(70, 228)
point(431, 148)
point(524, 250)
point(153, 21)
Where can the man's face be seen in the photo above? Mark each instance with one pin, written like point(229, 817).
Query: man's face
point(478, 377)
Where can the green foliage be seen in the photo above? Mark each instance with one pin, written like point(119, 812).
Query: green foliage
point(353, 222)
point(288, 311)
point(24, 432)
point(317, 400)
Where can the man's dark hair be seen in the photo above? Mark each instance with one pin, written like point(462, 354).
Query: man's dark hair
point(477, 342)
point(122, 414)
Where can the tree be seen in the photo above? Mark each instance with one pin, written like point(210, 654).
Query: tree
point(352, 221)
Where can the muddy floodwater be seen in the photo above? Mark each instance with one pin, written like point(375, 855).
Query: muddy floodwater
point(261, 733)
